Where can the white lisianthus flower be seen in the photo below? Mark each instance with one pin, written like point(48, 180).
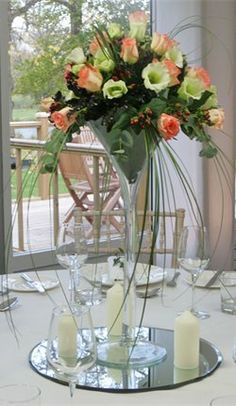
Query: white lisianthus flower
point(175, 55)
point(76, 56)
point(191, 88)
point(114, 89)
point(156, 77)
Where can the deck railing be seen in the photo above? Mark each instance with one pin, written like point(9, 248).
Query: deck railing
point(36, 147)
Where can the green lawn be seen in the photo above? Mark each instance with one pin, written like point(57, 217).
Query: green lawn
point(24, 114)
point(30, 186)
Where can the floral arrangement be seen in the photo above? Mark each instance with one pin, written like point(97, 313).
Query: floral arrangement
point(134, 81)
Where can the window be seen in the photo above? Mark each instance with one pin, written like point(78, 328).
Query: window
point(41, 36)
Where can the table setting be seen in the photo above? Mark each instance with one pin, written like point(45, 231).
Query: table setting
point(161, 315)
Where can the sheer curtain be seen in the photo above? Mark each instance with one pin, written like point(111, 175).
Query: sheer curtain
point(211, 45)
point(219, 197)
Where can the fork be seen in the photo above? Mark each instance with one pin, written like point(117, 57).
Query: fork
point(8, 303)
point(146, 294)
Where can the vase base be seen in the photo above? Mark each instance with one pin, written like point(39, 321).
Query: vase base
point(122, 354)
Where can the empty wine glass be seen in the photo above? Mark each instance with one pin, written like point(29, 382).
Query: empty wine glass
point(71, 346)
point(71, 251)
point(193, 257)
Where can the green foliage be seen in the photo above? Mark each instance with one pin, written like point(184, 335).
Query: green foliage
point(22, 101)
point(157, 106)
point(38, 75)
point(48, 161)
point(124, 119)
point(208, 151)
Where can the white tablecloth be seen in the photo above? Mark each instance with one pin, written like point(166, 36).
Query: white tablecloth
point(31, 319)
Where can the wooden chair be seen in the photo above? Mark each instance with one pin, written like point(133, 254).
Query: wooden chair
point(77, 172)
point(107, 240)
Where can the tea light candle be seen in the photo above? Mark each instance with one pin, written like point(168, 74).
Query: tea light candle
point(115, 299)
point(67, 337)
point(186, 341)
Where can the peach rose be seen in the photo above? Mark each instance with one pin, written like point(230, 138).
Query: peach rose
point(161, 42)
point(138, 25)
point(63, 118)
point(95, 44)
point(216, 118)
point(129, 50)
point(173, 72)
point(90, 78)
point(168, 126)
point(200, 73)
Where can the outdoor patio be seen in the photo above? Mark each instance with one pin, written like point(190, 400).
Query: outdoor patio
point(38, 223)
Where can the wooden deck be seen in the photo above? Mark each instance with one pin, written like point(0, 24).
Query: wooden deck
point(38, 223)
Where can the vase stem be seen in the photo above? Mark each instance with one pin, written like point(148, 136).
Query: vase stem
point(128, 350)
point(129, 194)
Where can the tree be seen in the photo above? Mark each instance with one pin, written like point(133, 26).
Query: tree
point(50, 29)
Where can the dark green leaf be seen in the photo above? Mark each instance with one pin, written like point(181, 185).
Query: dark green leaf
point(196, 104)
point(48, 159)
point(124, 120)
point(127, 139)
point(157, 106)
point(208, 151)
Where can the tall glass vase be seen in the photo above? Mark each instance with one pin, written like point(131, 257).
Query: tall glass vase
point(128, 349)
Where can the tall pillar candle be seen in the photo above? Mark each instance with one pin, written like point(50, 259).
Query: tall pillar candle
point(115, 299)
point(67, 339)
point(186, 341)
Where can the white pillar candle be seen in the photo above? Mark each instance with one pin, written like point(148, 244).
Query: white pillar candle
point(186, 341)
point(115, 298)
point(183, 375)
point(67, 338)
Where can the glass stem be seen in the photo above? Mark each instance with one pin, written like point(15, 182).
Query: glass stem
point(194, 278)
point(72, 386)
point(129, 193)
point(72, 285)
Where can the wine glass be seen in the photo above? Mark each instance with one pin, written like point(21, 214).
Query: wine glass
point(193, 257)
point(71, 251)
point(71, 346)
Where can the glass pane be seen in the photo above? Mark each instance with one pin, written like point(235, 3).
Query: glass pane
point(42, 33)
